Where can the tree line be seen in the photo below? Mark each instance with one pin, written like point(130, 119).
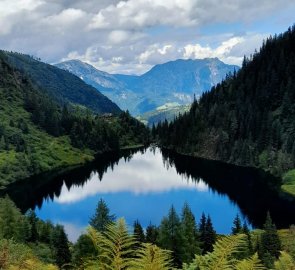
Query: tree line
point(179, 242)
point(248, 118)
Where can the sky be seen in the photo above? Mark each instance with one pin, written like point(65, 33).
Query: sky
point(131, 36)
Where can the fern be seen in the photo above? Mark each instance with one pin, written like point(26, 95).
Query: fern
point(151, 257)
point(285, 262)
point(252, 263)
point(223, 255)
point(115, 247)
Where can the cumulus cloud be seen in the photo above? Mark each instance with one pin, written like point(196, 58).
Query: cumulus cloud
point(132, 35)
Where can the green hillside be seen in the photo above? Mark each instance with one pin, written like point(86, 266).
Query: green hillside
point(38, 135)
point(248, 119)
point(62, 85)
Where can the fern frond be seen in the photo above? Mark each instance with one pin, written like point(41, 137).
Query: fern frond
point(222, 257)
point(285, 262)
point(252, 263)
point(151, 257)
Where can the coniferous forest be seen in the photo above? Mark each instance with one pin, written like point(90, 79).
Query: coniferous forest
point(248, 118)
point(179, 242)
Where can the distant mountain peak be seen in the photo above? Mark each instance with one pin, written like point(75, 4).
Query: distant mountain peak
point(174, 81)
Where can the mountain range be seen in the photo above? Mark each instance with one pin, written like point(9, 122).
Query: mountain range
point(174, 82)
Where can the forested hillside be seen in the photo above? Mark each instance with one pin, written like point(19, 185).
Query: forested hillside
point(37, 134)
point(247, 119)
point(63, 86)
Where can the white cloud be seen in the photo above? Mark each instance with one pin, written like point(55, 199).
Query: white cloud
point(133, 35)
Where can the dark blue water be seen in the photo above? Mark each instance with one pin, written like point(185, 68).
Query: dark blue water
point(144, 184)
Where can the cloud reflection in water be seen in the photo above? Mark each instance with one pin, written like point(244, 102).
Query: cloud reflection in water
point(144, 174)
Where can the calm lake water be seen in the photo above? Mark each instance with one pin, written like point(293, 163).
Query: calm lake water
point(144, 184)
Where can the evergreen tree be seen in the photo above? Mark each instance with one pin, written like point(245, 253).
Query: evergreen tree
point(102, 216)
point(190, 234)
point(270, 244)
point(83, 250)
point(32, 219)
point(152, 233)
point(138, 232)
point(60, 246)
point(237, 228)
point(207, 234)
point(170, 236)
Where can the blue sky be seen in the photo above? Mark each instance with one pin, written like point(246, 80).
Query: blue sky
point(131, 36)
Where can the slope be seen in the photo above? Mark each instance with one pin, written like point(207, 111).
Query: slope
point(248, 119)
point(61, 85)
point(38, 135)
point(25, 149)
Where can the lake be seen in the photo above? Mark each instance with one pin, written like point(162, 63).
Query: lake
point(143, 184)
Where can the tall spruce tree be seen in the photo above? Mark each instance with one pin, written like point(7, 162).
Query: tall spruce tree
point(170, 236)
point(207, 234)
point(60, 246)
point(237, 226)
point(189, 231)
point(102, 216)
point(270, 244)
point(138, 232)
point(152, 234)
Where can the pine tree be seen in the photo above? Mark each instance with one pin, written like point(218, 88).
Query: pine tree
point(83, 250)
point(170, 235)
point(207, 234)
point(102, 216)
point(138, 232)
point(237, 228)
point(191, 244)
point(32, 218)
point(270, 244)
point(60, 246)
point(152, 233)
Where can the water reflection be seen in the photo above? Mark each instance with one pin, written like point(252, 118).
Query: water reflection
point(145, 175)
point(143, 184)
point(255, 191)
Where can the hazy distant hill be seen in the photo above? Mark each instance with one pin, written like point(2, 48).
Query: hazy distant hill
point(172, 82)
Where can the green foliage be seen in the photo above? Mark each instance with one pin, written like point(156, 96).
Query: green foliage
point(151, 257)
point(289, 182)
point(248, 119)
point(115, 247)
point(170, 236)
point(270, 243)
point(252, 263)
point(102, 217)
point(191, 242)
point(12, 224)
point(138, 232)
point(207, 234)
point(285, 262)
point(237, 228)
point(15, 256)
point(60, 246)
point(83, 250)
point(152, 234)
point(38, 134)
point(62, 85)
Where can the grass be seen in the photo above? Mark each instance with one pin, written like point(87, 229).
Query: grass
point(289, 182)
